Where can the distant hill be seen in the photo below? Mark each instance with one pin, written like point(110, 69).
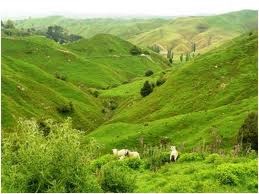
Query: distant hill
point(215, 91)
point(39, 75)
point(179, 34)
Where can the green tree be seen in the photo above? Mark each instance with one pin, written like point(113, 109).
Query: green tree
point(9, 24)
point(181, 57)
point(193, 47)
point(248, 133)
point(135, 50)
point(187, 57)
point(146, 89)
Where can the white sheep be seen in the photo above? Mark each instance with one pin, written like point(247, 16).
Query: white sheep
point(133, 154)
point(120, 153)
point(174, 153)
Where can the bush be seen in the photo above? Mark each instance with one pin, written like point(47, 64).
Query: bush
point(60, 76)
point(98, 163)
point(135, 51)
point(117, 178)
point(65, 108)
point(133, 163)
point(188, 157)
point(33, 163)
point(160, 81)
point(149, 73)
point(155, 157)
point(214, 158)
point(146, 89)
point(248, 133)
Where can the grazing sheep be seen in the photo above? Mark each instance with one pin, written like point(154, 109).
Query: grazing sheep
point(120, 153)
point(174, 154)
point(133, 154)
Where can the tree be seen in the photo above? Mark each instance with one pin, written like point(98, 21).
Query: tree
point(169, 53)
point(135, 50)
point(171, 60)
point(187, 57)
point(56, 33)
point(9, 24)
point(146, 89)
point(248, 132)
point(181, 57)
point(193, 47)
point(149, 73)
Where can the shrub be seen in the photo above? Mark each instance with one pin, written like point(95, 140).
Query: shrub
point(225, 176)
point(146, 89)
point(188, 157)
point(248, 133)
point(149, 73)
point(60, 76)
point(155, 157)
point(160, 81)
point(214, 158)
point(117, 178)
point(133, 163)
point(146, 52)
point(98, 163)
point(33, 163)
point(65, 108)
point(135, 51)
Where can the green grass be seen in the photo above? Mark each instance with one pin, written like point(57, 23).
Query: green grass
point(191, 102)
point(32, 62)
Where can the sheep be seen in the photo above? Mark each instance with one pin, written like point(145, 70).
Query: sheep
point(174, 153)
point(133, 154)
point(119, 153)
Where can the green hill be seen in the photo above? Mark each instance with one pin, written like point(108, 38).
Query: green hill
point(179, 33)
point(35, 63)
point(215, 91)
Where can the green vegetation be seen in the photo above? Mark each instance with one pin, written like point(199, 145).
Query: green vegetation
point(67, 102)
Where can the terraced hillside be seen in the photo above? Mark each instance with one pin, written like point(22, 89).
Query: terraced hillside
point(213, 92)
point(34, 66)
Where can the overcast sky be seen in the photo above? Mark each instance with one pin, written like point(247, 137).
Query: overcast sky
point(101, 8)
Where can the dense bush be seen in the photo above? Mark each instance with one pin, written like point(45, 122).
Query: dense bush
point(146, 89)
point(135, 50)
point(155, 157)
point(98, 163)
point(160, 81)
point(59, 163)
point(65, 108)
point(188, 157)
point(117, 178)
point(248, 133)
point(149, 73)
point(60, 76)
point(133, 163)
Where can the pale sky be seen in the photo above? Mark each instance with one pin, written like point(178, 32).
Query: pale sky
point(101, 8)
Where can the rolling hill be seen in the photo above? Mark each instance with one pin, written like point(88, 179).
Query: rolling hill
point(214, 91)
point(34, 66)
point(176, 33)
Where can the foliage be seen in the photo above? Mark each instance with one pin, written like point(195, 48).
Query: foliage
point(133, 163)
point(146, 89)
point(65, 108)
point(248, 133)
point(189, 157)
point(101, 161)
point(117, 178)
point(214, 158)
point(60, 76)
point(149, 73)
point(33, 163)
point(135, 50)
point(160, 81)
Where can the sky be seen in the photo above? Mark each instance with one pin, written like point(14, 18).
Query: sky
point(114, 8)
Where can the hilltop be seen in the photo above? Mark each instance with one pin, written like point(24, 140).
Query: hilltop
point(178, 33)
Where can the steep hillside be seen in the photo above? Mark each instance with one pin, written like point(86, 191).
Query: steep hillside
point(35, 66)
point(212, 92)
point(206, 32)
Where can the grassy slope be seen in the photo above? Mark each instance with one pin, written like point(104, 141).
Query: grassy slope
point(31, 62)
point(217, 89)
point(181, 32)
